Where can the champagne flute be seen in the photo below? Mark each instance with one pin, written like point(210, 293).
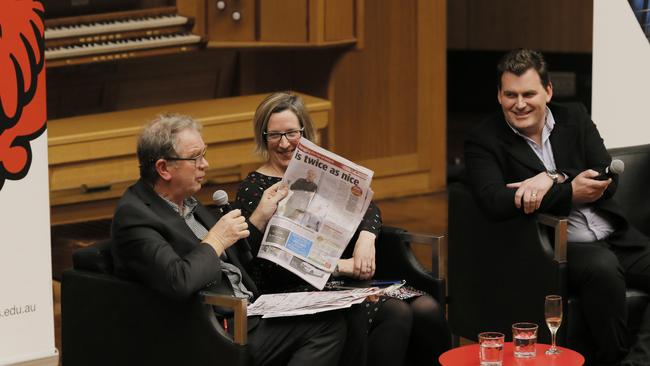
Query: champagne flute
point(553, 315)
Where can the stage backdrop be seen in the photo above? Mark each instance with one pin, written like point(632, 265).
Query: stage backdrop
point(26, 313)
point(621, 72)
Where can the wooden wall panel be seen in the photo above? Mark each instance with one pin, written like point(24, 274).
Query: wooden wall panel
point(457, 28)
point(432, 91)
point(375, 89)
point(389, 98)
point(339, 19)
point(547, 25)
point(283, 21)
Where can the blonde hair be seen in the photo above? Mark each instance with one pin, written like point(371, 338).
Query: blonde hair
point(275, 103)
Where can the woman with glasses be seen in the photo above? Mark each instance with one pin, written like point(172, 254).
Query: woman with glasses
point(391, 325)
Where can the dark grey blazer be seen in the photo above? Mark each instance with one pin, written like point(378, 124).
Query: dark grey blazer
point(154, 245)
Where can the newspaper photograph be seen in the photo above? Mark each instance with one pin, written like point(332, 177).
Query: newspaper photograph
point(328, 197)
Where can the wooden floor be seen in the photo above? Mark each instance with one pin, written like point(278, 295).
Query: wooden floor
point(420, 214)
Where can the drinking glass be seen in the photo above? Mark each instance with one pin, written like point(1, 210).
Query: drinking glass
point(524, 339)
point(553, 315)
point(491, 348)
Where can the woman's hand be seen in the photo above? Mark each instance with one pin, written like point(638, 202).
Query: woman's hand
point(345, 267)
point(268, 204)
point(364, 256)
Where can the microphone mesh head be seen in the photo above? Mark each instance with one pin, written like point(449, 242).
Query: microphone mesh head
point(617, 166)
point(220, 197)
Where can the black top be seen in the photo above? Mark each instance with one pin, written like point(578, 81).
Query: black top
point(248, 197)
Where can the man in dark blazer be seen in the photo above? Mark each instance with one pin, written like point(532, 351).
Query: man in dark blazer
point(537, 156)
point(167, 240)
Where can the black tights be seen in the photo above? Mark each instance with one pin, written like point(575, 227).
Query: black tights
point(418, 325)
point(430, 335)
point(389, 332)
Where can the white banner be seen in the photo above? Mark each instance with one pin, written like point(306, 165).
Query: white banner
point(621, 73)
point(26, 310)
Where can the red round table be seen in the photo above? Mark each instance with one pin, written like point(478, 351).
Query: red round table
point(468, 356)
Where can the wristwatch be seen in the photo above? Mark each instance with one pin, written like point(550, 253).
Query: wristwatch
point(553, 174)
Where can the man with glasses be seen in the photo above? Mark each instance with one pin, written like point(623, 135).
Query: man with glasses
point(164, 238)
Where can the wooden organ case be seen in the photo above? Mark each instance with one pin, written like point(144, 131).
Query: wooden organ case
point(114, 65)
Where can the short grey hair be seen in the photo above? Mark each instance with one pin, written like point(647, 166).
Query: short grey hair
point(158, 140)
point(276, 103)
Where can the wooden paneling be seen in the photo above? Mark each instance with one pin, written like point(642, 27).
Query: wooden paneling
point(339, 20)
point(96, 88)
point(283, 21)
point(376, 89)
point(432, 91)
point(546, 25)
point(92, 158)
point(389, 99)
point(457, 28)
point(288, 24)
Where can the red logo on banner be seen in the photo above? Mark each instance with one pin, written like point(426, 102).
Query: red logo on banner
point(22, 85)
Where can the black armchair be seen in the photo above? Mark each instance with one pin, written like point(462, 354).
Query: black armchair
point(489, 290)
point(110, 321)
point(395, 260)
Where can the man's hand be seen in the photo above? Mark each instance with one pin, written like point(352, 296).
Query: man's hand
point(587, 189)
point(364, 256)
point(227, 231)
point(268, 204)
point(531, 191)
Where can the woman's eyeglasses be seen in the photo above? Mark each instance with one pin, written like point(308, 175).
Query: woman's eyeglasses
point(291, 135)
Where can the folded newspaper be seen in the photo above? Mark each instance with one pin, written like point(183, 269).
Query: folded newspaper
point(328, 197)
point(304, 303)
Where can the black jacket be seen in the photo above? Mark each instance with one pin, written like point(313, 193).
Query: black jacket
point(495, 156)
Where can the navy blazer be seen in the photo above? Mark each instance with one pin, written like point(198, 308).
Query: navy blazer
point(495, 156)
point(154, 245)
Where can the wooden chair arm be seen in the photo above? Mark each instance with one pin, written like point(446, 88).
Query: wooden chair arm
point(238, 306)
point(560, 225)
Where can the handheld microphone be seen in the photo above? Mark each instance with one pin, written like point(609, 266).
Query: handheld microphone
point(615, 167)
point(220, 198)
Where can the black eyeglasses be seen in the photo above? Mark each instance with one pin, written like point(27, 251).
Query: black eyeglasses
point(291, 135)
point(196, 159)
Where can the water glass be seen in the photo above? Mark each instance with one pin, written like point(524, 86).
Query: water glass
point(524, 339)
point(491, 348)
